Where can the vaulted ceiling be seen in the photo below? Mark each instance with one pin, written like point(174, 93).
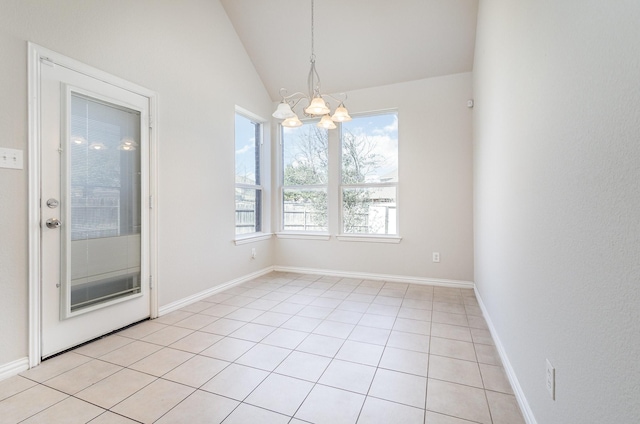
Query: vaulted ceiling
point(358, 43)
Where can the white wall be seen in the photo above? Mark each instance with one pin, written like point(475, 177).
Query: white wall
point(557, 200)
point(435, 188)
point(187, 52)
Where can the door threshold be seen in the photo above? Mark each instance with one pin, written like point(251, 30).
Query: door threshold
point(93, 340)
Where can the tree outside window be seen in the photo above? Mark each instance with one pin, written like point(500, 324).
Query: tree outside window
point(305, 177)
point(369, 174)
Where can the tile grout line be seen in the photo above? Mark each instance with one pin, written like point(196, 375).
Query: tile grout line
point(325, 319)
point(426, 395)
point(273, 371)
point(379, 361)
point(325, 370)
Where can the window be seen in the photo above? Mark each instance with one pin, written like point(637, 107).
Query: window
point(305, 166)
point(342, 181)
point(248, 136)
point(369, 175)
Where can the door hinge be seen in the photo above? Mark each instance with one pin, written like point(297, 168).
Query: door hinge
point(60, 149)
point(150, 202)
point(150, 121)
point(151, 282)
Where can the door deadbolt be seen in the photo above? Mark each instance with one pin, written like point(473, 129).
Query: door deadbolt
point(52, 203)
point(53, 223)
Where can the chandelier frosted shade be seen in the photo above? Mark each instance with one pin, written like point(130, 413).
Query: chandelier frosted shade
point(341, 114)
point(317, 107)
point(327, 123)
point(283, 111)
point(292, 122)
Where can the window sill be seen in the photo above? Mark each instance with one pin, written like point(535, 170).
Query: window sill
point(252, 238)
point(369, 238)
point(304, 236)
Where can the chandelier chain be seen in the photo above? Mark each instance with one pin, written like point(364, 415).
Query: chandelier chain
point(313, 80)
point(318, 106)
point(313, 55)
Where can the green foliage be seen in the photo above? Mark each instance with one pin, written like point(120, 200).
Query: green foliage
point(359, 161)
point(308, 160)
point(307, 164)
point(305, 210)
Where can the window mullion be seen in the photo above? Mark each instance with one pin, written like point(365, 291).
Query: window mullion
point(333, 207)
point(366, 185)
point(306, 187)
point(248, 186)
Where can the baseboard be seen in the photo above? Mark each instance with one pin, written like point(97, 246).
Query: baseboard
point(13, 368)
point(385, 277)
point(511, 375)
point(173, 306)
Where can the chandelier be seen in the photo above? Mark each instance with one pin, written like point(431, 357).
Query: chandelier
point(317, 106)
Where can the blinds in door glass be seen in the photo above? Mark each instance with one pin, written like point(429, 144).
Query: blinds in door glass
point(103, 196)
point(105, 170)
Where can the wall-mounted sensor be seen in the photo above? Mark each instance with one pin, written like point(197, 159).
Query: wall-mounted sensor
point(470, 103)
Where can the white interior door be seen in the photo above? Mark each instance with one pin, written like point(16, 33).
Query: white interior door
point(94, 208)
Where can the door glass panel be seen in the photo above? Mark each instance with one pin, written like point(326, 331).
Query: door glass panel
point(103, 193)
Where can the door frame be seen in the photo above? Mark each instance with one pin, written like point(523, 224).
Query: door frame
point(39, 56)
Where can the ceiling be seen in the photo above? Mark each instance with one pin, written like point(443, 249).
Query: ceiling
point(358, 43)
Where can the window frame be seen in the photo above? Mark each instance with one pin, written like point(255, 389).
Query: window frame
point(260, 221)
point(302, 234)
point(334, 188)
point(382, 238)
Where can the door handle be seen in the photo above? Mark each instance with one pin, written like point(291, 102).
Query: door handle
point(53, 223)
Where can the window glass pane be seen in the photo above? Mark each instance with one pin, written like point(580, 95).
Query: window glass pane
point(305, 210)
point(104, 193)
point(248, 210)
point(104, 170)
point(369, 210)
point(247, 151)
point(370, 149)
point(247, 156)
point(305, 155)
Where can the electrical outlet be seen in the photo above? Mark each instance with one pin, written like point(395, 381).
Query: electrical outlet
point(551, 380)
point(435, 256)
point(253, 253)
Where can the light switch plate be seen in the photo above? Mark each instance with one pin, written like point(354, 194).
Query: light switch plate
point(11, 158)
point(551, 380)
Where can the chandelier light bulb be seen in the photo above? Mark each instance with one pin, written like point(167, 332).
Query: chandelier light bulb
point(327, 123)
point(341, 114)
point(317, 107)
point(292, 122)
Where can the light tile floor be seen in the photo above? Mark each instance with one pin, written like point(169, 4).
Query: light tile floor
point(283, 348)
